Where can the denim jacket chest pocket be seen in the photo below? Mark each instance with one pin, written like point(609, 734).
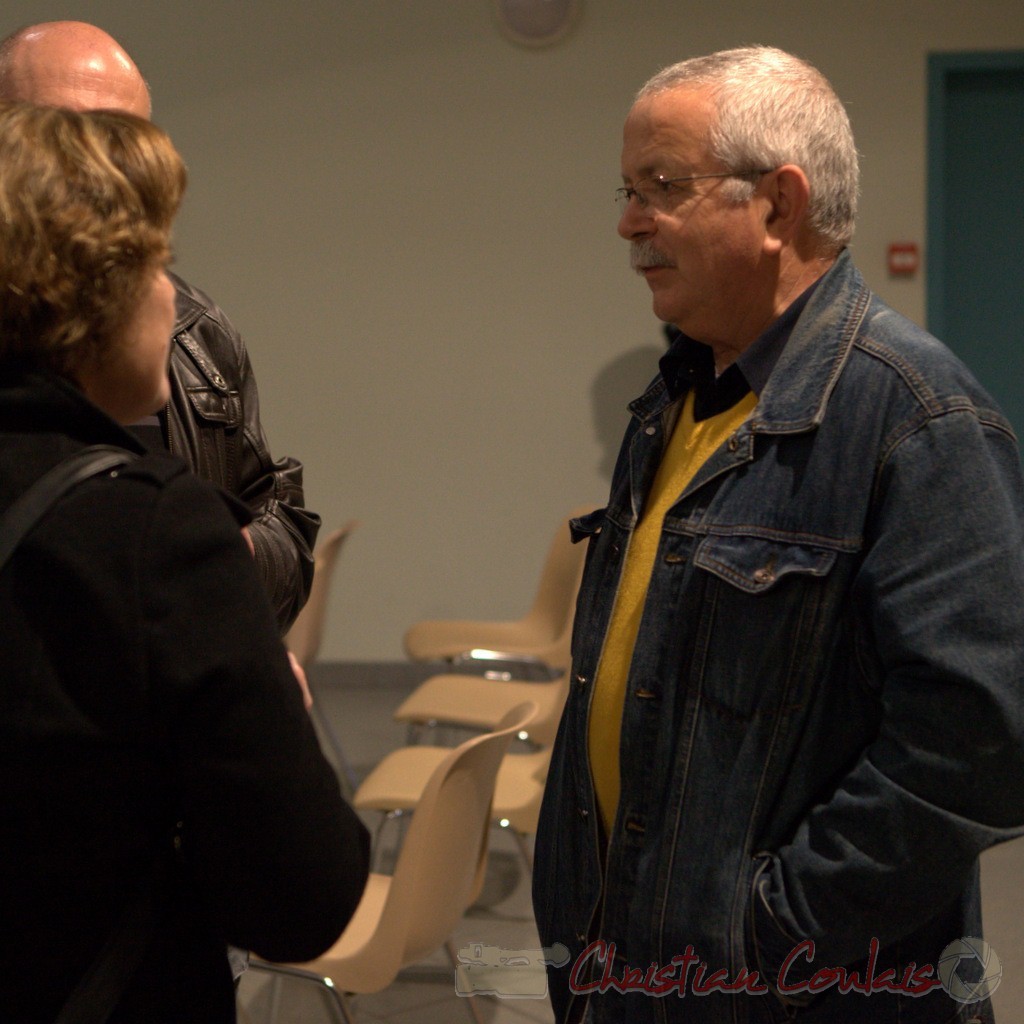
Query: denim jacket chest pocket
point(767, 608)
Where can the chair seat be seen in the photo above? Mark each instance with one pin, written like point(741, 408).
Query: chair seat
point(541, 635)
point(406, 916)
point(440, 640)
point(340, 962)
point(358, 962)
point(398, 781)
point(306, 634)
point(519, 789)
point(482, 703)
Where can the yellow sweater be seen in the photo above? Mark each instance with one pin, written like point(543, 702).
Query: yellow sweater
point(688, 449)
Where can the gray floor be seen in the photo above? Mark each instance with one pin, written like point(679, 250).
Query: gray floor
point(358, 700)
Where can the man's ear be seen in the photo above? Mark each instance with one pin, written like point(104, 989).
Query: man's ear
point(788, 193)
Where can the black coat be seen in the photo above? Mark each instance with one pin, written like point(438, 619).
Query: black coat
point(148, 714)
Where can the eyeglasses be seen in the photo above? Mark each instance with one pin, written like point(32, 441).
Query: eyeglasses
point(659, 192)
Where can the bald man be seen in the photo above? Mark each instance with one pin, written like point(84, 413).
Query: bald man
point(212, 420)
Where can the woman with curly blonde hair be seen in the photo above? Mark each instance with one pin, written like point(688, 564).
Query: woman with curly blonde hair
point(86, 207)
point(164, 794)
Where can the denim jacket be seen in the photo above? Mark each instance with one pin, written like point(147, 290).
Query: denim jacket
point(824, 719)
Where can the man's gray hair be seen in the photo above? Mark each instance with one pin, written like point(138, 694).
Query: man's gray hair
point(773, 109)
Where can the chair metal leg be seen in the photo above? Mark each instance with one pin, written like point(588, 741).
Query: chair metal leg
point(377, 849)
point(339, 1000)
point(470, 1001)
point(275, 997)
point(350, 781)
point(279, 970)
point(414, 732)
point(524, 849)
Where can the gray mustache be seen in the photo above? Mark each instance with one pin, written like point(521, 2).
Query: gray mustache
point(643, 254)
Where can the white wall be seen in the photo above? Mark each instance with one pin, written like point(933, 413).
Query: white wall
point(411, 220)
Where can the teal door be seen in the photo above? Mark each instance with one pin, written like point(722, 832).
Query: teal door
point(976, 217)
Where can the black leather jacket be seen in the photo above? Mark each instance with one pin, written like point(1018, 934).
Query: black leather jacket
point(213, 423)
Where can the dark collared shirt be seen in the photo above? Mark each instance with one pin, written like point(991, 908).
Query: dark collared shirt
point(690, 363)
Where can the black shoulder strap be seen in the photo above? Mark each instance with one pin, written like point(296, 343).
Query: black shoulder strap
point(99, 990)
point(28, 509)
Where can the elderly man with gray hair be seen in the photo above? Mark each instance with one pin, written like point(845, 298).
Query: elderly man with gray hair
point(799, 641)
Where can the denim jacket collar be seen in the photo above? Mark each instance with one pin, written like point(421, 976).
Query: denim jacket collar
point(797, 393)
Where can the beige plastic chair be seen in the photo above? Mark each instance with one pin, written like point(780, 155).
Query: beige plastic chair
point(537, 638)
point(307, 631)
point(396, 785)
point(404, 917)
point(466, 701)
point(306, 634)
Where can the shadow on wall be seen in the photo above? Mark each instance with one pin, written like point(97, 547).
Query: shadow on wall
point(615, 386)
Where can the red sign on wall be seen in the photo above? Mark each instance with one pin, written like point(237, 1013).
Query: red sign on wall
point(903, 258)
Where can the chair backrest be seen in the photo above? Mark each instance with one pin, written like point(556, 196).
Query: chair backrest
point(555, 599)
point(307, 631)
point(520, 789)
point(440, 865)
point(545, 724)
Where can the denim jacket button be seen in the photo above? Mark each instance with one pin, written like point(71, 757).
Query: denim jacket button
point(734, 443)
point(584, 813)
point(581, 681)
point(650, 431)
point(763, 576)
